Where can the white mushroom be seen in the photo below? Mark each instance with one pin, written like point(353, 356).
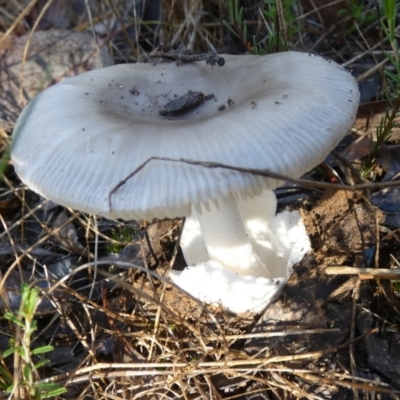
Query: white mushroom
point(80, 139)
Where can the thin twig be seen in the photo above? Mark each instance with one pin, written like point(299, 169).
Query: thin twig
point(254, 171)
point(354, 299)
point(94, 32)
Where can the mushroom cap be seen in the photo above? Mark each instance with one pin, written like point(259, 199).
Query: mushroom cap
point(77, 140)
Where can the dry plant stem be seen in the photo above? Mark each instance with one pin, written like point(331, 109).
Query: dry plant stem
point(379, 65)
point(172, 368)
point(351, 385)
point(364, 273)
point(26, 48)
point(116, 332)
point(22, 219)
point(90, 349)
point(199, 388)
point(96, 252)
point(291, 388)
point(363, 54)
point(260, 172)
point(317, 9)
point(265, 334)
point(140, 293)
point(327, 33)
point(84, 25)
point(365, 41)
point(342, 380)
point(31, 212)
point(59, 311)
point(123, 27)
point(87, 225)
point(377, 241)
point(157, 322)
point(148, 242)
point(299, 391)
point(160, 300)
point(29, 249)
point(215, 394)
point(10, 238)
point(137, 33)
point(338, 375)
point(138, 321)
point(354, 299)
point(20, 17)
point(372, 70)
point(93, 31)
point(84, 220)
point(280, 24)
point(177, 246)
point(77, 331)
point(165, 309)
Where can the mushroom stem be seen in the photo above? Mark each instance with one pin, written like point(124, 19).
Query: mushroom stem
point(268, 234)
point(226, 240)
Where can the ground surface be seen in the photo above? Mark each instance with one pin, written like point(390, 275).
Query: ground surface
point(121, 329)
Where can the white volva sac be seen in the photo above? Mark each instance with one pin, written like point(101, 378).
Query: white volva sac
point(84, 141)
point(279, 241)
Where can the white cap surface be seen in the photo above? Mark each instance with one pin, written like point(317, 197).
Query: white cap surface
point(80, 138)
